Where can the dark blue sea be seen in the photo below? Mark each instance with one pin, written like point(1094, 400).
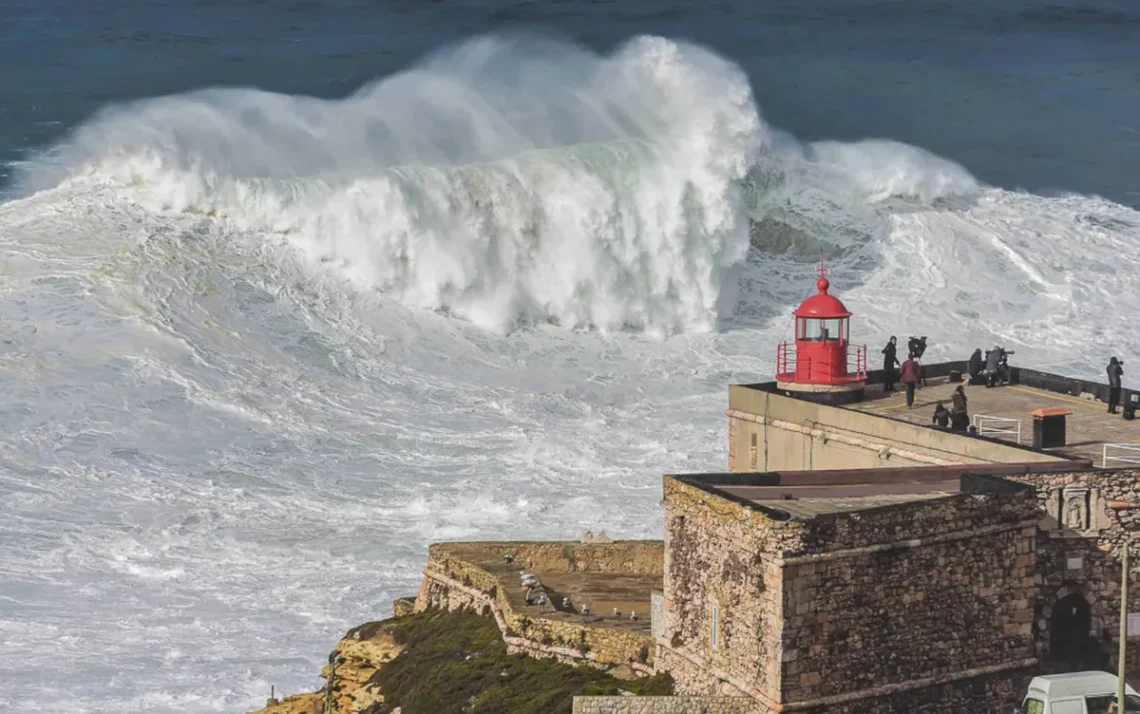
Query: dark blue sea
point(291, 290)
point(1033, 95)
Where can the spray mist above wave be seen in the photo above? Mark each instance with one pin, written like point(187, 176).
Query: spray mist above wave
point(508, 180)
point(503, 180)
point(487, 99)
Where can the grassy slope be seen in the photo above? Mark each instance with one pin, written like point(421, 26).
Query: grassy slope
point(456, 663)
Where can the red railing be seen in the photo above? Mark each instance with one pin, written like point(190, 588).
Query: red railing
point(859, 369)
point(785, 362)
point(788, 367)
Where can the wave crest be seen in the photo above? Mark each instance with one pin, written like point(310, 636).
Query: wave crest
point(505, 180)
point(509, 180)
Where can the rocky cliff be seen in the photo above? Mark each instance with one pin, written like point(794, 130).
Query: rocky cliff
point(360, 654)
point(437, 662)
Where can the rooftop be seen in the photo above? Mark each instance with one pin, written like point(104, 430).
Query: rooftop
point(805, 502)
point(1088, 426)
point(806, 495)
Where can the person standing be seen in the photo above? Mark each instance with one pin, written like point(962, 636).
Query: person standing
point(910, 379)
point(975, 366)
point(959, 414)
point(1115, 371)
point(890, 359)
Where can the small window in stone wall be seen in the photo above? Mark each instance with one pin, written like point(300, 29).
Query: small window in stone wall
point(714, 625)
point(752, 452)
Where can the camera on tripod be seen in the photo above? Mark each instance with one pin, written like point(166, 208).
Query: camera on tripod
point(916, 347)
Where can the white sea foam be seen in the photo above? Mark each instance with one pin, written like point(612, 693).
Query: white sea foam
point(231, 428)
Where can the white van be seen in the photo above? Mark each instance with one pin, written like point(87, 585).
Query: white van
point(1076, 693)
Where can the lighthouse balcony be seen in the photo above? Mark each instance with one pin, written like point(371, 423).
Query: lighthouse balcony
point(832, 364)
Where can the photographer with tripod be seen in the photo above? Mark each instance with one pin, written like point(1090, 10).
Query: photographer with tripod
point(916, 347)
point(997, 366)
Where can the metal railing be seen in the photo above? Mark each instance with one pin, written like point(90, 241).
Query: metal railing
point(787, 362)
point(1130, 455)
point(980, 421)
point(860, 367)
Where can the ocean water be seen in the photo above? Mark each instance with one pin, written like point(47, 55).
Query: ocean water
point(292, 290)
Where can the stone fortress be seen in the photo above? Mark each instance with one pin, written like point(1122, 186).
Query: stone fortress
point(853, 558)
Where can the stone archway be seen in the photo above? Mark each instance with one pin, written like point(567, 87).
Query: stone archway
point(1071, 647)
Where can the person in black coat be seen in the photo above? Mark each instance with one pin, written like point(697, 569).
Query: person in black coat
point(974, 367)
point(941, 416)
point(890, 361)
point(1115, 371)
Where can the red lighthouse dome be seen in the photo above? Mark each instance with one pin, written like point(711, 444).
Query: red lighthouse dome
point(822, 305)
point(821, 361)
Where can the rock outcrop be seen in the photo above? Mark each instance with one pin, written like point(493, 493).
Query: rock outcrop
point(352, 664)
point(309, 703)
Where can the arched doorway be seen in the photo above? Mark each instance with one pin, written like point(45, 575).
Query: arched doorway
point(1070, 645)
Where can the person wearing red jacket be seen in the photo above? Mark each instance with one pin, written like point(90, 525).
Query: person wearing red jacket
point(909, 374)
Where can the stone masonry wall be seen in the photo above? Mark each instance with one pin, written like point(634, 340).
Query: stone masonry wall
point(693, 677)
point(917, 520)
point(452, 583)
point(867, 620)
point(720, 554)
point(664, 705)
point(1086, 517)
point(996, 693)
point(1096, 578)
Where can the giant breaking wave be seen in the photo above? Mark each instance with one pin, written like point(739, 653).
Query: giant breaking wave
point(509, 180)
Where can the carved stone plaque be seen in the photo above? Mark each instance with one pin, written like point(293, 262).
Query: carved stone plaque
point(1075, 508)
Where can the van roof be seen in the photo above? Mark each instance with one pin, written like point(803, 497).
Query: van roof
point(1075, 684)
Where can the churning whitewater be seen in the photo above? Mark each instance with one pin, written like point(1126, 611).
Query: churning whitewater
point(260, 350)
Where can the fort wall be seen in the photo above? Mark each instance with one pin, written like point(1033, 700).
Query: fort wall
point(664, 705)
point(1086, 516)
point(852, 611)
point(984, 692)
point(861, 623)
point(644, 557)
point(722, 576)
point(772, 432)
point(457, 578)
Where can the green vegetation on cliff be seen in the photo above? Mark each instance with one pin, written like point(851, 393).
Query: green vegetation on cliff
point(457, 663)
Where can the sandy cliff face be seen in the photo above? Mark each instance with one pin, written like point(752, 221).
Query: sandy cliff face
point(358, 656)
point(310, 703)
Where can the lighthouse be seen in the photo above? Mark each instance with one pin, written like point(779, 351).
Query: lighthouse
point(821, 366)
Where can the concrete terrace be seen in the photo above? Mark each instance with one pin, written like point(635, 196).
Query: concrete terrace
point(601, 591)
point(1089, 426)
point(603, 583)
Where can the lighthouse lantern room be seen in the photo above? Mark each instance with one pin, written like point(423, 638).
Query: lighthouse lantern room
point(821, 366)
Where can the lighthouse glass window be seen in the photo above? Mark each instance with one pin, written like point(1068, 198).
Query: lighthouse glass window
point(813, 329)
